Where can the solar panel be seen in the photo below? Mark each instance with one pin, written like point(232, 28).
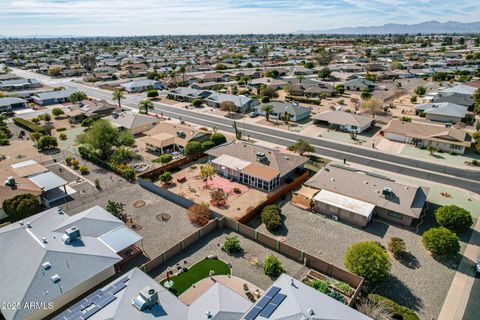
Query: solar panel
point(268, 310)
point(253, 313)
point(263, 302)
point(273, 291)
point(102, 303)
point(278, 299)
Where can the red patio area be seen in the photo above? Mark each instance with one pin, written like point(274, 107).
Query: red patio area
point(227, 185)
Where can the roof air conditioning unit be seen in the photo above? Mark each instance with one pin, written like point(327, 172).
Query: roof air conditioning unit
point(71, 234)
point(46, 265)
point(146, 298)
point(10, 182)
point(387, 191)
point(55, 278)
point(260, 156)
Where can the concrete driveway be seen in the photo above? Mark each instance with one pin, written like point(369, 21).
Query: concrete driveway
point(390, 146)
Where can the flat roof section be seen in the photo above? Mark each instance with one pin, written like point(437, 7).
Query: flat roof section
point(343, 202)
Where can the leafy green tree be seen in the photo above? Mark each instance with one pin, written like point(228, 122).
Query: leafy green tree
point(54, 71)
point(122, 154)
point(267, 109)
point(165, 177)
point(301, 146)
point(207, 145)
point(207, 171)
point(476, 100)
point(373, 105)
point(77, 96)
point(165, 158)
point(152, 93)
point(441, 242)
point(369, 260)
point(454, 218)
point(118, 96)
point(129, 174)
point(101, 137)
point(197, 103)
point(366, 94)
point(340, 88)
point(145, 105)
point(87, 122)
point(47, 143)
point(218, 138)
point(272, 266)
point(232, 245)
point(324, 73)
point(421, 90)
point(57, 112)
point(21, 206)
point(115, 208)
point(192, 148)
point(271, 217)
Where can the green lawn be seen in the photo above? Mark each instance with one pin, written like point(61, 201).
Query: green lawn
point(195, 273)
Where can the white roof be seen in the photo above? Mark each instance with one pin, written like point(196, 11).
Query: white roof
point(23, 164)
point(231, 162)
point(47, 180)
point(343, 202)
point(120, 238)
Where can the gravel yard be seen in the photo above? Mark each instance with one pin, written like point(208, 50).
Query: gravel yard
point(420, 283)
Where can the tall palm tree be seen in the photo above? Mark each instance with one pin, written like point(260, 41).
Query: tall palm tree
point(183, 70)
point(267, 109)
point(118, 95)
point(300, 78)
point(145, 105)
point(173, 75)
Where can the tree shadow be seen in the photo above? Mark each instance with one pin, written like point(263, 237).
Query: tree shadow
point(394, 289)
point(455, 263)
point(409, 260)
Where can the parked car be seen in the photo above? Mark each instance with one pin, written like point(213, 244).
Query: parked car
point(253, 114)
point(477, 267)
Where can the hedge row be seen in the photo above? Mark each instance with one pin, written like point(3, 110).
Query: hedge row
point(88, 155)
point(28, 125)
point(398, 310)
point(305, 100)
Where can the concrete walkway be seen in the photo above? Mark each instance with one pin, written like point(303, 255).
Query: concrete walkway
point(456, 303)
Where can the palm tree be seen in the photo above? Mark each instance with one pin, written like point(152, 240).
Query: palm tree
point(145, 105)
point(173, 75)
point(77, 96)
point(267, 109)
point(300, 78)
point(182, 70)
point(118, 95)
point(122, 154)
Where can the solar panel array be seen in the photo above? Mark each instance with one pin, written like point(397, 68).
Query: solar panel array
point(267, 304)
point(94, 302)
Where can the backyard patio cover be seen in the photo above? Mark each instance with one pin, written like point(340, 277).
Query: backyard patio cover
point(231, 162)
point(120, 238)
point(48, 180)
point(352, 205)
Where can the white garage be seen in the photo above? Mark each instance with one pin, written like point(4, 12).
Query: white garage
point(397, 137)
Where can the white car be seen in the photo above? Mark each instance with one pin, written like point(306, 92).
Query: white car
point(477, 266)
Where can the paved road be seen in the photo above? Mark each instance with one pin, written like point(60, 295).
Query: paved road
point(463, 178)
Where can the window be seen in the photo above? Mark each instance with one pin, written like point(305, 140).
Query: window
point(454, 146)
point(354, 127)
point(394, 214)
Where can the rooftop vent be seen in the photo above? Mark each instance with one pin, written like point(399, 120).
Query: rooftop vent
point(59, 211)
point(310, 312)
point(181, 134)
point(29, 224)
point(332, 179)
point(21, 223)
point(115, 115)
point(146, 298)
point(55, 278)
point(46, 265)
point(208, 314)
point(44, 240)
point(286, 157)
point(71, 234)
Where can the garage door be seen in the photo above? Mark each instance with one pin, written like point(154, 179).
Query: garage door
point(397, 137)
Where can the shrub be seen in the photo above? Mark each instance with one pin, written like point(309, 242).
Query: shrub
point(62, 136)
point(192, 148)
point(197, 103)
point(116, 209)
point(396, 246)
point(199, 214)
point(97, 184)
point(406, 119)
point(369, 260)
point(218, 138)
point(320, 285)
point(375, 310)
point(57, 112)
point(476, 135)
point(129, 174)
point(265, 100)
point(68, 160)
point(272, 266)
point(75, 164)
point(400, 312)
point(87, 122)
point(47, 143)
point(271, 217)
point(232, 245)
point(152, 93)
point(165, 177)
point(4, 142)
point(208, 145)
point(83, 169)
point(28, 125)
point(61, 129)
point(165, 158)
point(454, 218)
point(21, 206)
point(441, 241)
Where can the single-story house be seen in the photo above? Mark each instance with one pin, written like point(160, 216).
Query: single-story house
point(141, 85)
point(52, 258)
point(268, 82)
point(133, 122)
point(359, 84)
point(188, 94)
point(260, 167)
point(346, 121)
point(443, 111)
point(296, 112)
point(92, 109)
point(356, 196)
point(168, 137)
point(443, 138)
point(302, 71)
point(19, 84)
point(243, 103)
point(52, 97)
point(8, 104)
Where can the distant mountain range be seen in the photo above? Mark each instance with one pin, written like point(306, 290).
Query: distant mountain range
point(427, 27)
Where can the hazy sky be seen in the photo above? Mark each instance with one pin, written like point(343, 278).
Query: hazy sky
point(152, 17)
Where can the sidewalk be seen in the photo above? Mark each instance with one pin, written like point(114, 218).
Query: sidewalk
point(455, 305)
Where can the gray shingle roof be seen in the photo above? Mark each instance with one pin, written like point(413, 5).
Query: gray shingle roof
point(281, 107)
point(443, 108)
point(60, 94)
